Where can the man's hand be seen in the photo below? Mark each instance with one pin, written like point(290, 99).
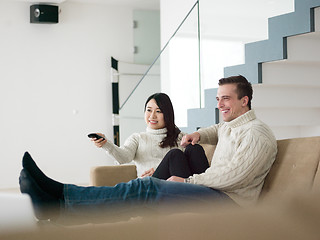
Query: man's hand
point(175, 179)
point(192, 138)
point(148, 173)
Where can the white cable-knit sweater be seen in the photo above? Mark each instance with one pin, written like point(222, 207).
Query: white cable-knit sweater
point(142, 148)
point(246, 149)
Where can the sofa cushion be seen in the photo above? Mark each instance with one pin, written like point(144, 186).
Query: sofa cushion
point(112, 175)
point(316, 183)
point(295, 167)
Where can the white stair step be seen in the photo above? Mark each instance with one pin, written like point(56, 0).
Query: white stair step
point(304, 47)
point(285, 96)
point(289, 72)
point(274, 116)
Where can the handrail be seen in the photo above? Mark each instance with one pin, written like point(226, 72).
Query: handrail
point(199, 57)
point(156, 59)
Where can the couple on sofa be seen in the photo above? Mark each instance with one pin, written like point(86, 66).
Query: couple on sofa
point(246, 149)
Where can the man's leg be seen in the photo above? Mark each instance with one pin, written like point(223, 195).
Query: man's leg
point(79, 201)
point(146, 192)
point(45, 205)
point(47, 184)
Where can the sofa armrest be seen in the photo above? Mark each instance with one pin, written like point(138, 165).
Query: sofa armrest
point(111, 175)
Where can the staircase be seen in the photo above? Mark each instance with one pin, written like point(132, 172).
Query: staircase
point(285, 73)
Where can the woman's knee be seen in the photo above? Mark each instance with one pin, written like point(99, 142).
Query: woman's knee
point(174, 153)
point(194, 148)
point(174, 157)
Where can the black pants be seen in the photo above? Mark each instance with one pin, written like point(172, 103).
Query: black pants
point(182, 164)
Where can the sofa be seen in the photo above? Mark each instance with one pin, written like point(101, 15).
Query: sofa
point(295, 169)
point(288, 207)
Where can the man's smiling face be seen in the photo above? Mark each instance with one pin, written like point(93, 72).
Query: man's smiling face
point(228, 103)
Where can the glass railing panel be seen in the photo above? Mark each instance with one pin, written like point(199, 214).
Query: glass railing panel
point(180, 75)
point(175, 68)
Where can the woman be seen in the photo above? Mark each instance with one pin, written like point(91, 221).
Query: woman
point(147, 149)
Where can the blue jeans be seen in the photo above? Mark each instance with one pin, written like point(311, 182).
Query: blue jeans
point(147, 192)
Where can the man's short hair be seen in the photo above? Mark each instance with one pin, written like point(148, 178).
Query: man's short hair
point(244, 88)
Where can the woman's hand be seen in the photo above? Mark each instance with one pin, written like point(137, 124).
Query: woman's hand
point(99, 142)
point(175, 179)
point(148, 173)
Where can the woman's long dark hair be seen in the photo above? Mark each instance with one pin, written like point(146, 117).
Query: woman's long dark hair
point(164, 103)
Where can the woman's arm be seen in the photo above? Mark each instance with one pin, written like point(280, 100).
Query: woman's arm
point(125, 153)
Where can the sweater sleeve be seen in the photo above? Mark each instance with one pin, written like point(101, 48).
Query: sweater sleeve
point(125, 153)
point(209, 135)
point(252, 159)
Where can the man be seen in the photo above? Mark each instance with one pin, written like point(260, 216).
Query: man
point(245, 152)
point(246, 147)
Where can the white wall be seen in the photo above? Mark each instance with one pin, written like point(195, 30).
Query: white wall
point(55, 87)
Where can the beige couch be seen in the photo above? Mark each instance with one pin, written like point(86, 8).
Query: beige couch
point(296, 169)
point(289, 207)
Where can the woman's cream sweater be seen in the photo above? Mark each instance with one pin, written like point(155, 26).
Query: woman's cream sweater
point(142, 148)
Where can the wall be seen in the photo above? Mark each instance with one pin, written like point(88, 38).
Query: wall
point(146, 35)
point(55, 87)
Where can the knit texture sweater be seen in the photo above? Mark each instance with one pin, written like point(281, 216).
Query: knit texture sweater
point(142, 148)
point(246, 149)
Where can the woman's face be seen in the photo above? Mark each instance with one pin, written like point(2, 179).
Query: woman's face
point(153, 115)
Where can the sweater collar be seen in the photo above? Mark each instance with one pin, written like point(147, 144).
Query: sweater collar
point(243, 119)
point(157, 131)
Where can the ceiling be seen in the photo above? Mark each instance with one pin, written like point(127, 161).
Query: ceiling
point(240, 7)
point(142, 4)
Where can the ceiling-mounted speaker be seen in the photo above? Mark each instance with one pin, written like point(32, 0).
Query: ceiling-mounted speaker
point(43, 13)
